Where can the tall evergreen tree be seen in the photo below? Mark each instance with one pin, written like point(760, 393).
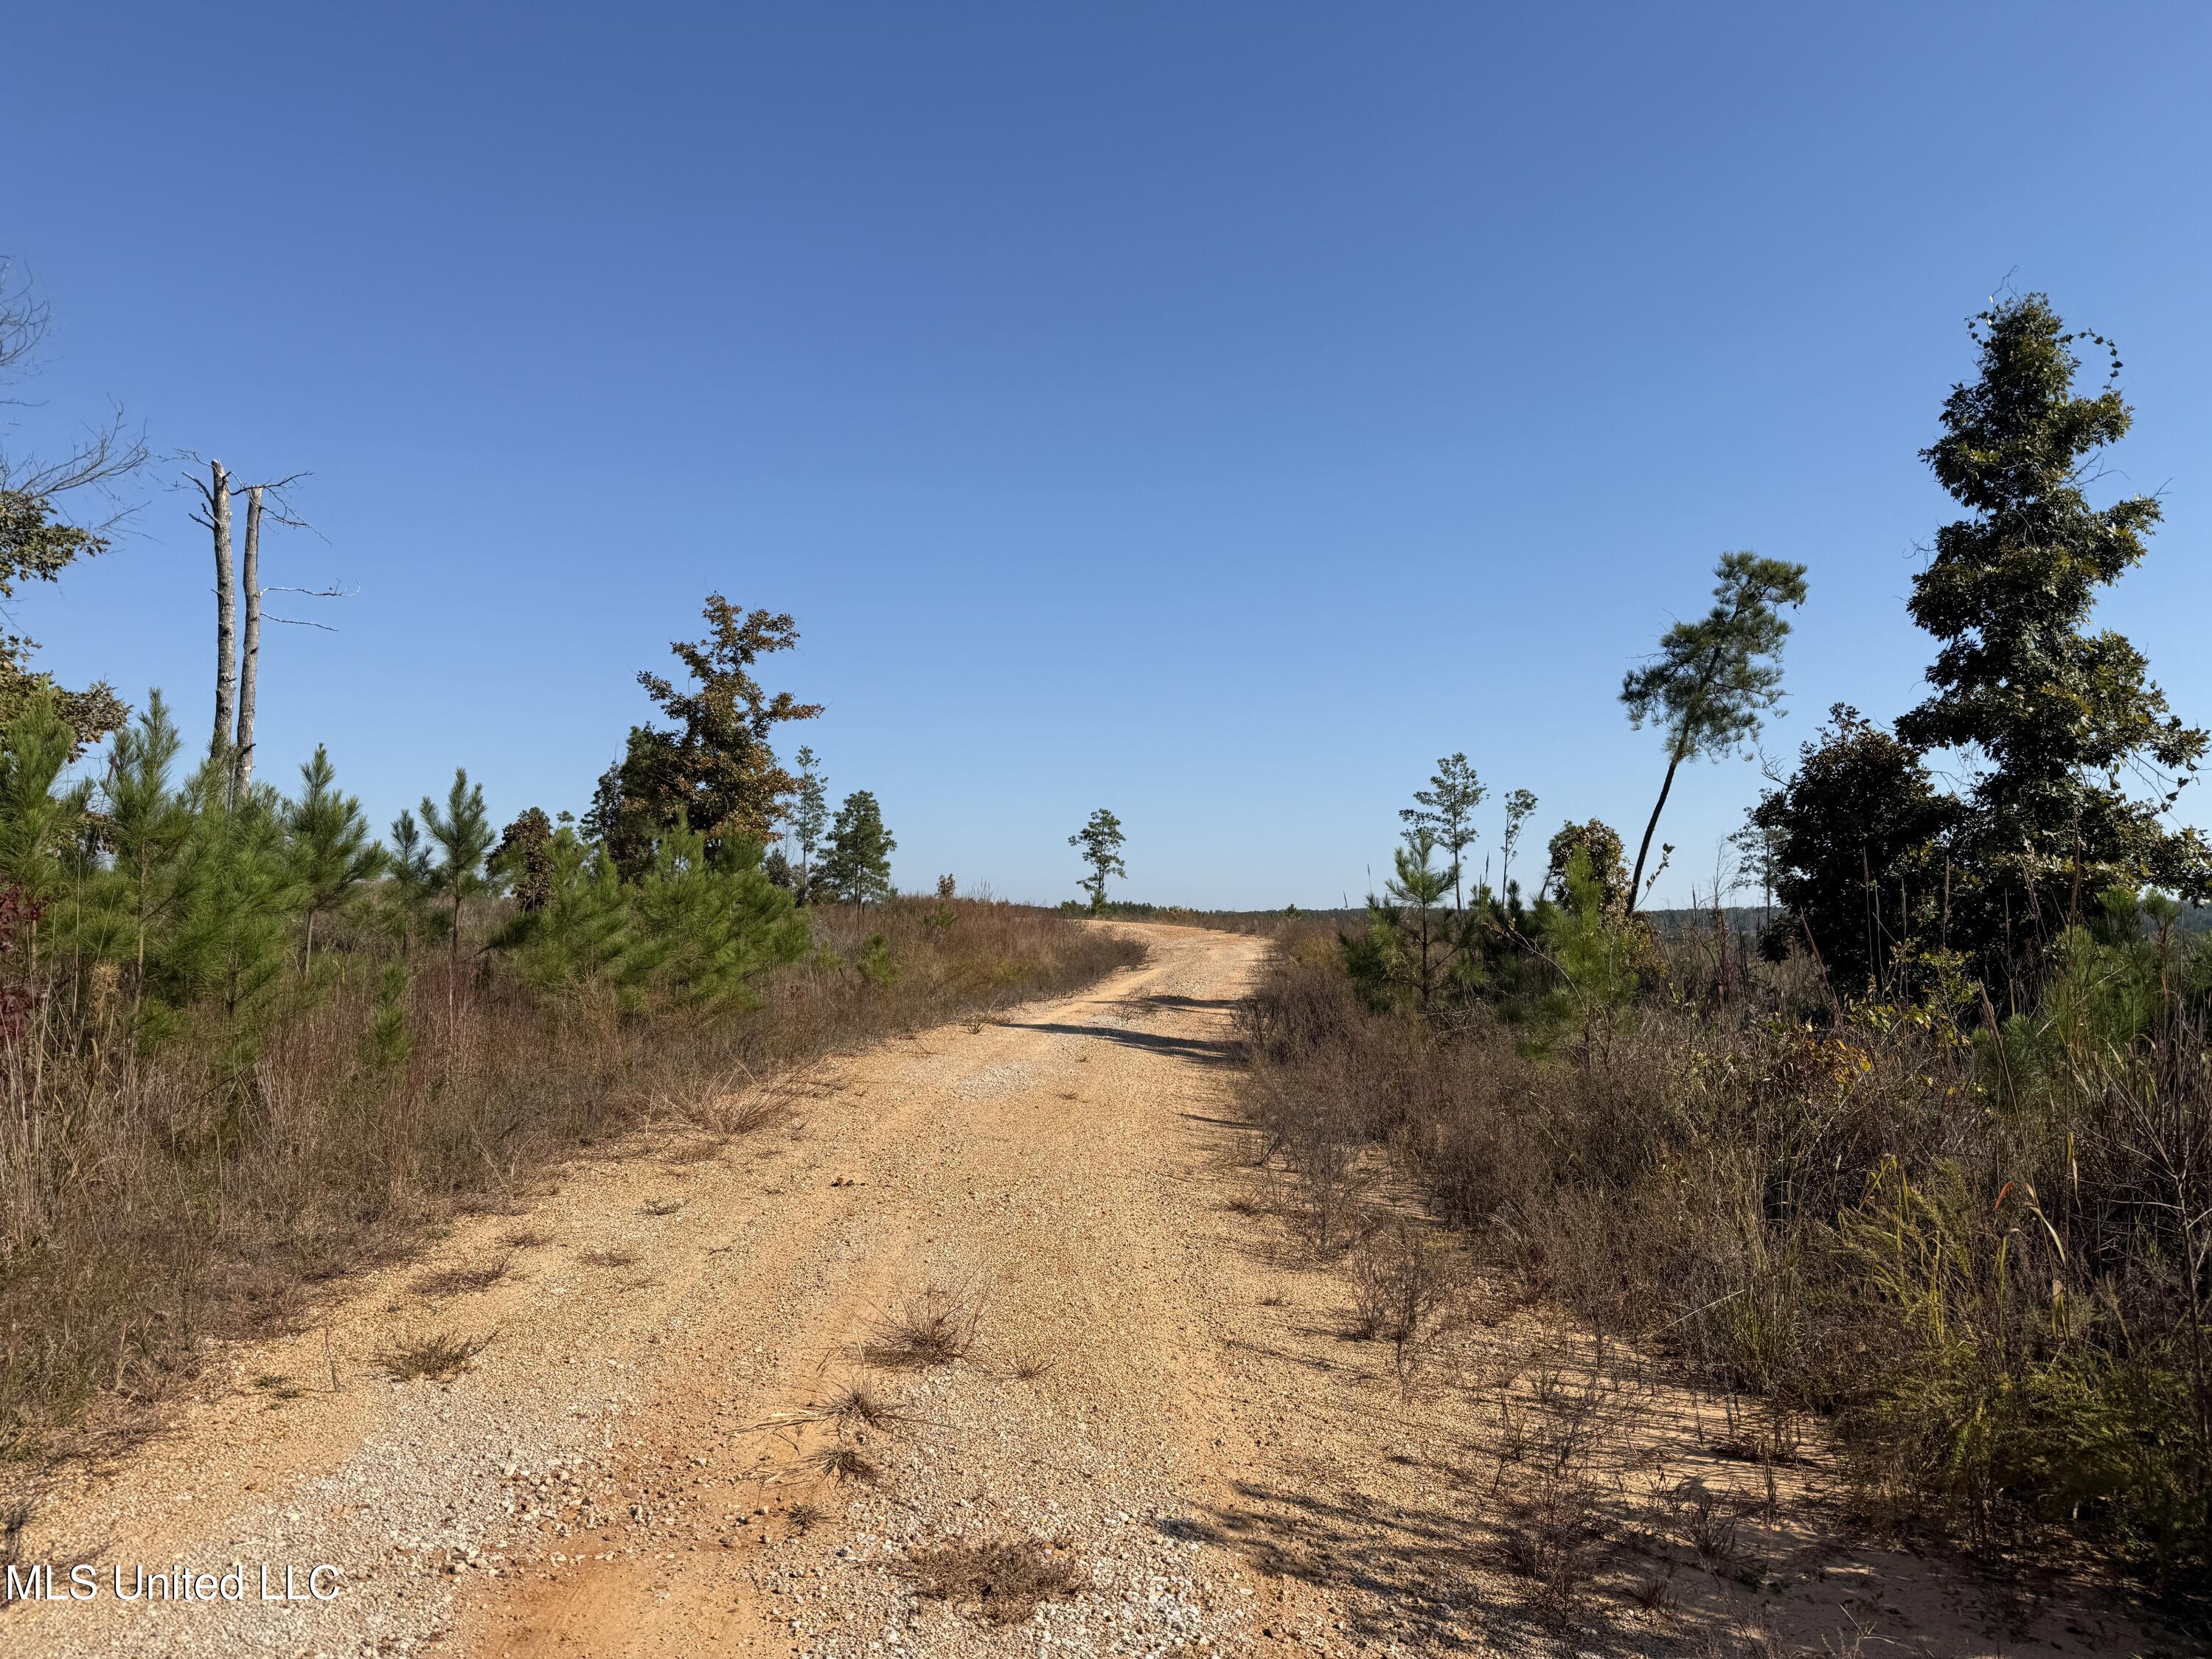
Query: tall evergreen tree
point(857, 867)
point(810, 813)
point(2057, 717)
point(462, 835)
point(1446, 809)
point(332, 848)
point(1520, 807)
point(147, 823)
point(39, 825)
point(1714, 679)
point(716, 770)
point(238, 895)
point(1102, 841)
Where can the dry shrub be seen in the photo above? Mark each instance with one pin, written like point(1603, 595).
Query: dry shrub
point(1553, 1538)
point(933, 1328)
point(999, 1582)
point(1401, 1275)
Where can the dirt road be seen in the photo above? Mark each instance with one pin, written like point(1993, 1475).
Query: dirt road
point(697, 1430)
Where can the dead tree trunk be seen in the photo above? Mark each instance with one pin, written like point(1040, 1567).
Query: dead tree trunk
point(226, 607)
point(250, 658)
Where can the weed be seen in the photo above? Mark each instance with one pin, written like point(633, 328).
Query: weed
point(1027, 1365)
point(601, 1256)
point(523, 1238)
point(998, 1581)
point(436, 1357)
point(844, 1463)
point(460, 1281)
point(933, 1328)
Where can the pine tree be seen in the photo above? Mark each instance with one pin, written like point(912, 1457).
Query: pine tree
point(331, 849)
point(147, 823)
point(1446, 809)
point(810, 814)
point(1520, 807)
point(405, 897)
point(462, 835)
point(857, 867)
point(2057, 715)
point(238, 896)
point(1102, 841)
point(1713, 679)
point(39, 827)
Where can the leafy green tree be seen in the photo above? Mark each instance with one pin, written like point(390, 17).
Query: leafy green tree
point(36, 544)
point(1858, 835)
point(1714, 679)
point(857, 865)
point(2057, 716)
point(1102, 841)
point(810, 814)
point(716, 770)
point(332, 848)
point(462, 835)
point(1520, 807)
point(1599, 843)
point(1446, 809)
point(524, 861)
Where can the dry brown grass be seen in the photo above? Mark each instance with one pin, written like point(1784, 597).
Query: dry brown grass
point(461, 1281)
point(844, 1463)
point(999, 1582)
point(933, 1328)
point(150, 1200)
point(437, 1357)
point(524, 1238)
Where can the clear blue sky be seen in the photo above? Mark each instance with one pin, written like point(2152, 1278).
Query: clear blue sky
point(1217, 411)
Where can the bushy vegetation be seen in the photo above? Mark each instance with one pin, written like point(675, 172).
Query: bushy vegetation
point(1935, 1161)
point(230, 1072)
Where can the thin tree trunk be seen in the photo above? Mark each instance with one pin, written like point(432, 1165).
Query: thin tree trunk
point(1636, 881)
point(226, 608)
point(250, 663)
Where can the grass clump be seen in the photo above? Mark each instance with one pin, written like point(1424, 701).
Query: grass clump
point(437, 1357)
point(936, 1328)
point(998, 1581)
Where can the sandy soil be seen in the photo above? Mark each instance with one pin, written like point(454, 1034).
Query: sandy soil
point(1160, 1405)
